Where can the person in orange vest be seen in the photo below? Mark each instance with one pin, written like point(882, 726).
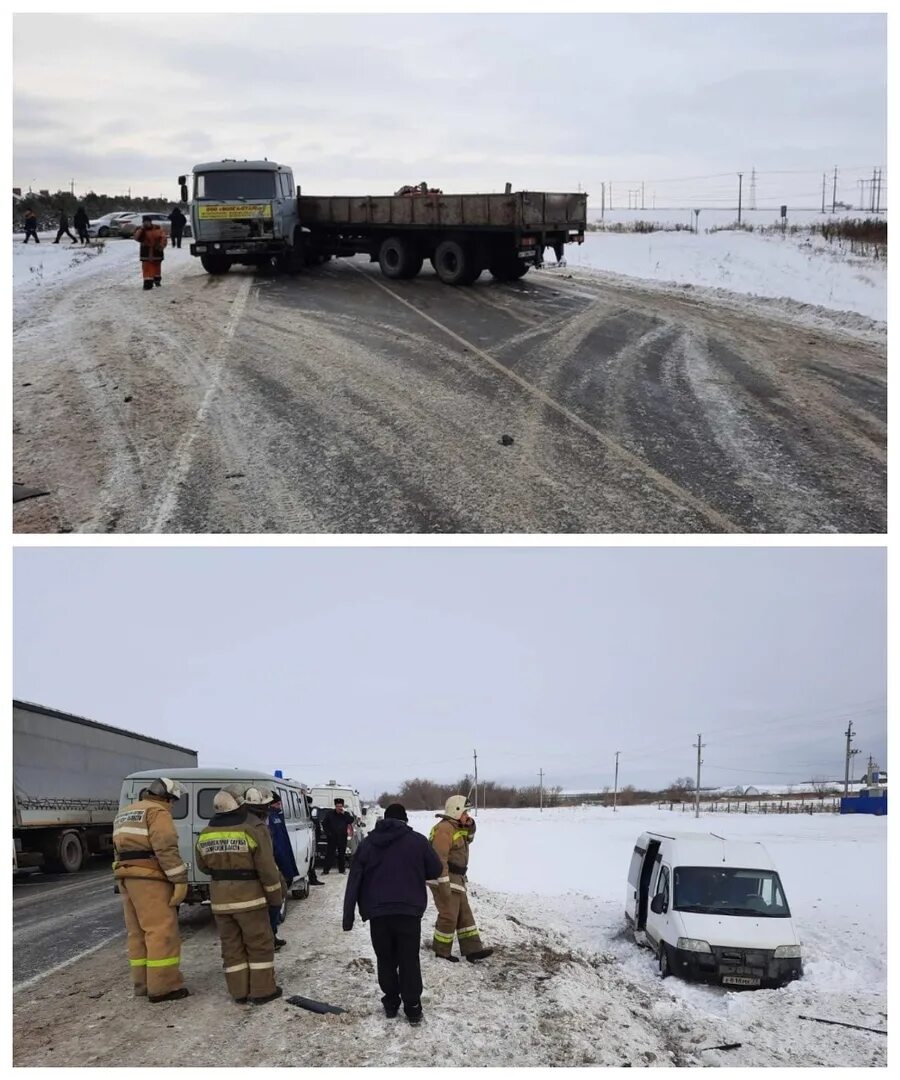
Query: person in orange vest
point(152, 879)
point(152, 240)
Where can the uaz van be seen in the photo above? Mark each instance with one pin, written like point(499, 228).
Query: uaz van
point(191, 814)
point(712, 909)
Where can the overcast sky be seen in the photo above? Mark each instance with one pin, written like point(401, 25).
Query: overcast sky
point(370, 666)
point(367, 103)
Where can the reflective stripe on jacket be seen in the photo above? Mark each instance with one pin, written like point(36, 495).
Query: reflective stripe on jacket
point(146, 842)
point(239, 842)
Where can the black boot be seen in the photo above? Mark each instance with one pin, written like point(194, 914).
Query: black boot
point(452, 959)
point(413, 1013)
point(173, 995)
point(390, 1010)
point(280, 943)
point(148, 285)
point(157, 281)
point(482, 954)
point(269, 997)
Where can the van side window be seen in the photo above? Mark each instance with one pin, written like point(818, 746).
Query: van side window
point(302, 813)
point(662, 885)
point(286, 807)
point(634, 871)
point(180, 807)
point(296, 804)
point(205, 798)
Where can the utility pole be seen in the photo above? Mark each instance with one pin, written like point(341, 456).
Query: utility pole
point(834, 192)
point(862, 194)
point(874, 174)
point(642, 194)
point(616, 782)
point(475, 755)
point(740, 185)
point(602, 199)
point(823, 193)
point(610, 195)
point(700, 746)
point(753, 189)
point(848, 755)
point(541, 775)
point(878, 195)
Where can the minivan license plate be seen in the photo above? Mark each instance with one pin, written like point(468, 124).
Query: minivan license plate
point(740, 980)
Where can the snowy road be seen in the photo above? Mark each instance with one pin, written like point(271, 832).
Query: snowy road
point(339, 402)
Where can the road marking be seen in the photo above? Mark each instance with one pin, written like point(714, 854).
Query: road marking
point(167, 498)
point(67, 963)
point(660, 479)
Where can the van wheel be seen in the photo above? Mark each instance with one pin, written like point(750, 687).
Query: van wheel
point(664, 970)
point(301, 891)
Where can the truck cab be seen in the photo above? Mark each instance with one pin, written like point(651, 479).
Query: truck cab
point(241, 212)
point(712, 909)
point(191, 814)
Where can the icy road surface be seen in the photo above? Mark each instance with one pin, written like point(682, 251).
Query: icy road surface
point(340, 402)
point(565, 987)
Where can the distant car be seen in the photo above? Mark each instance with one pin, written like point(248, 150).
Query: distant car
point(129, 224)
point(107, 224)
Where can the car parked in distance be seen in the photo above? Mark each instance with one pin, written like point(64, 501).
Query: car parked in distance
point(107, 225)
point(129, 224)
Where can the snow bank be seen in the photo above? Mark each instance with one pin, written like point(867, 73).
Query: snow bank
point(799, 269)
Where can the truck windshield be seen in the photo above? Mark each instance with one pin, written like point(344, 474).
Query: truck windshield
point(234, 184)
point(723, 890)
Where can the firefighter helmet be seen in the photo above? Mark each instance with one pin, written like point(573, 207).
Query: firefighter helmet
point(456, 806)
point(163, 787)
point(257, 796)
point(224, 802)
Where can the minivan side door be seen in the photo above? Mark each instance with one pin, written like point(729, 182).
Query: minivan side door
point(658, 922)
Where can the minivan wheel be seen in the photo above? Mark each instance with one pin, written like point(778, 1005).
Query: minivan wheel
point(664, 970)
point(301, 891)
point(103, 231)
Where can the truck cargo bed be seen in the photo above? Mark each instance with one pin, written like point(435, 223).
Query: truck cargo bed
point(538, 211)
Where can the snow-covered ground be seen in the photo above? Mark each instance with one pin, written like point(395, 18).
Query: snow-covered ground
point(807, 270)
point(565, 986)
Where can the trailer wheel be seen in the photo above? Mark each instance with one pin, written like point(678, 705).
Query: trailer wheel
point(65, 853)
point(509, 269)
point(215, 264)
point(455, 263)
point(397, 258)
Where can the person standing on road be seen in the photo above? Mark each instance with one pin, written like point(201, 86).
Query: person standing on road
point(152, 880)
point(81, 222)
point(31, 226)
point(284, 860)
point(387, 881)
point(152, 240)
point(337, 826)
point(64, 228)
point(317, 835)
point(235, 849)
point(451, 838)
point(178, 221)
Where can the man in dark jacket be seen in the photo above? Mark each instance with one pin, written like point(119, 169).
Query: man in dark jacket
point(284, 860)
point(81, 222)
point(178, 221)
point(31, 226)
point(337, 825)
point(387, 881)
point(64, 228)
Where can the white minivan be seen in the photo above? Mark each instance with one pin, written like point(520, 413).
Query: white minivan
point(712, 909)
point(191, 814)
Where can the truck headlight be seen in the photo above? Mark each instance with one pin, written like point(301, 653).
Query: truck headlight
point(785, 952)
point(690, 944)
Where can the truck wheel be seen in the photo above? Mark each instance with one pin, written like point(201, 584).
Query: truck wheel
point(509, 269)
point(215, 264)
point(397, 257)
point(65, 853)
point(455, 263)
point(664, 970)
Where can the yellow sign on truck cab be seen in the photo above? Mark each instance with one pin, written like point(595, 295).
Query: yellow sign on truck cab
point(215, 212)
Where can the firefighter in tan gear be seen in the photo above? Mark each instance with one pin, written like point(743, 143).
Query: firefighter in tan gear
point(152, 880)
point(451, 838)
point(235, 849)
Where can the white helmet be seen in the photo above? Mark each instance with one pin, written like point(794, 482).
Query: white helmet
point(257, 796)
point(456, 806)
point(224, 802)
point(166, 788)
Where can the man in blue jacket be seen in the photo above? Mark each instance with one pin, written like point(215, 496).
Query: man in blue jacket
point(284, 860)
point(387, 881)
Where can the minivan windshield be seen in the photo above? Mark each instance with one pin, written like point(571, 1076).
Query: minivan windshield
point(236, 184)
point(726, 890)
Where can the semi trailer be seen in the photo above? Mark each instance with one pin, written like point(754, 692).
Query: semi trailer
point(67, 776)
point(249, 213)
